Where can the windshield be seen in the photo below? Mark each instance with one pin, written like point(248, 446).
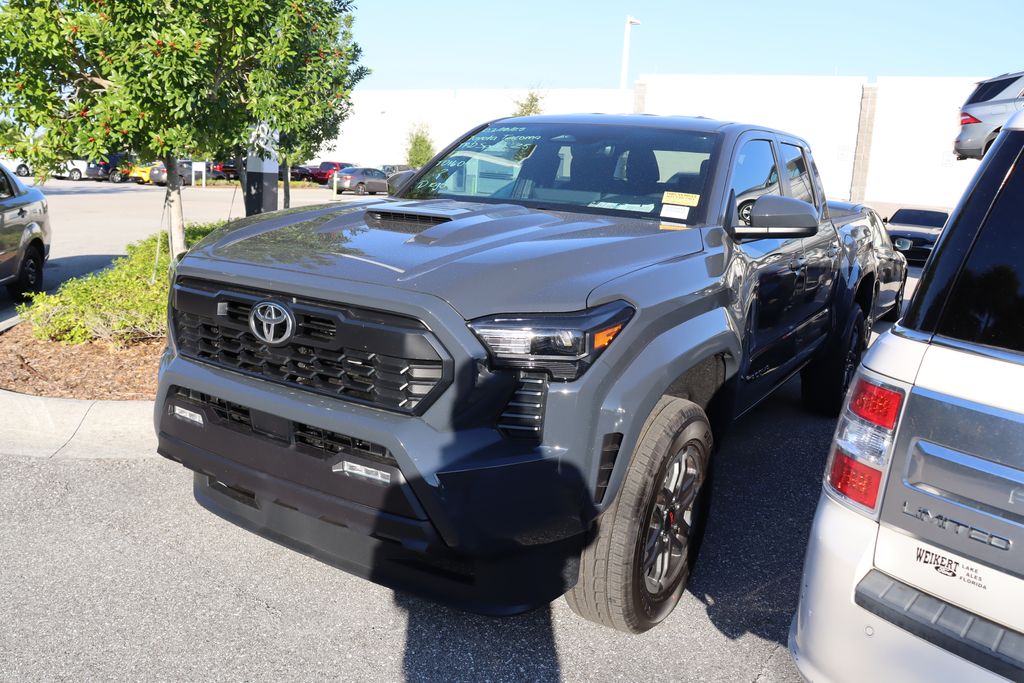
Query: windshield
point(596, 168)
point(928, 219)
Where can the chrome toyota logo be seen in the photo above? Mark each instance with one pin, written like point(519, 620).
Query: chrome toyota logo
point(271, 323)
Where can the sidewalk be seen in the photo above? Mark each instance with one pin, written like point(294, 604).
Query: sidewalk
point(42, 427)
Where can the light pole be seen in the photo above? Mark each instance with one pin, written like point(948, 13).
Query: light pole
point(630, 22)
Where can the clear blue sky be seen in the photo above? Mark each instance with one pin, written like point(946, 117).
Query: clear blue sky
point(576, 43)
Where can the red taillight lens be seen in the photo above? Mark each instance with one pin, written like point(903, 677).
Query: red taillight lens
point(876, 404)
point(966, 119)
point(855, 480)
point(346, 177)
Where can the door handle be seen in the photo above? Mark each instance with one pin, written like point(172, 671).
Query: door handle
point(22, 212)
point(833, 250)
point(798, 263)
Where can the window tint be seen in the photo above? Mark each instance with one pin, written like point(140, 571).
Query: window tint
point(754, 174)
point(988, 91)
point(796, 170)
point(6, 189)
point(929, 219)
point(986, 305)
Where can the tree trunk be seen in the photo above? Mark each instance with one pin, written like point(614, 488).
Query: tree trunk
point(172, 203)
point(287, 180)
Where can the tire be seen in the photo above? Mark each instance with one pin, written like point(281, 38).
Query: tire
point(823, 383)
point(360, 188)
point(616, 587)
point(894, 313)
point(75, 175)
point(22, 170)
point(116, 177)
point(30, 274)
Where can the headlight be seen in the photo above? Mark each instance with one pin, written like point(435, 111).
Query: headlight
point(563, 344)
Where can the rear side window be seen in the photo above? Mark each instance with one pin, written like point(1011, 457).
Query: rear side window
point(986, 305)
point(990, 90)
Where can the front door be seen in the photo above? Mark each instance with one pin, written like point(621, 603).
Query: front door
point(13, 214)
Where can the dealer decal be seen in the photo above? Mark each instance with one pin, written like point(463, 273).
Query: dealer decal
point(947, 566)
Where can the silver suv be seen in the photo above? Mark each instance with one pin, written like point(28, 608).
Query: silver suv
point(915, 567)
point(983, 114)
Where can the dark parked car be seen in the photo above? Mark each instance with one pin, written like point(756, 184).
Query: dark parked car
point(24, 235)
point(888, 264)
point(301, 172)
point(505, 382)
point(922, 227)
point(326, 170)
point(223, 170)
point(361, 180)
point(111, 169)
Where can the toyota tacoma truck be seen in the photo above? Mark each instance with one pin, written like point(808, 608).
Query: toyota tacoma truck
point(504, 383)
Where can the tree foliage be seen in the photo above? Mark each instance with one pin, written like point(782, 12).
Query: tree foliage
point(529, 105)
point(420, 147)
point(168, 78)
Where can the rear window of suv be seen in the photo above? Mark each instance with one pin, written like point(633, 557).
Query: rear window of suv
point(986, 304)
point(928, 219)
point(989, 90)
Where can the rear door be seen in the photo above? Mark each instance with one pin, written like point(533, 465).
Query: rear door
point(13, 219)
point(952, 519)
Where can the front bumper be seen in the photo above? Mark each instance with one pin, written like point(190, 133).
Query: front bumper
point(834, 639)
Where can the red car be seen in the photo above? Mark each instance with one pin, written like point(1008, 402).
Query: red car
point(326, 170)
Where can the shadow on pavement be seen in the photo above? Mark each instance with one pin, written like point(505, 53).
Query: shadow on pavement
point(91, 187)
point(56, 272)
point(767, 481)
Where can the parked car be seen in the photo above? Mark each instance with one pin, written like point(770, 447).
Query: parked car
point(140, 173)
point(302, 172)
point(223, 170)
point(921, 226)
point(158, 174)
point(914, 566)
point(392, 169)
point(113, 169)
point(505, 382)
point(986, 110)
point(326, 170)
point(24, 235)
point(72, 170)
point(889, 265)
point(361, 180)
point(19, 166)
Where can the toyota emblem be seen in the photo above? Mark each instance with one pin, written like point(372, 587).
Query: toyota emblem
point(271, 323)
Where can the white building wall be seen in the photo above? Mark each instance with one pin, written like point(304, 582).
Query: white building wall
point(911, 160)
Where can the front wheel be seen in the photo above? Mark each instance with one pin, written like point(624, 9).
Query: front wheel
point(75, 174)
point(634, 572)
point(30, 275)
point(823, 383)
point(893, 314)
point(116, 177)
point(360, 189)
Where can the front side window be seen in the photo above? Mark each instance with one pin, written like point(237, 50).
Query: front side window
point(754, 174)
point(986, 304)
point(798, 173)
point(593, 168)
point(6, 189)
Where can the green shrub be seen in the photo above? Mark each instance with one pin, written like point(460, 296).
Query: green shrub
point(122, 304)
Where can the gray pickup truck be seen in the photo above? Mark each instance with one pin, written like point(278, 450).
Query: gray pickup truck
point(503, 383)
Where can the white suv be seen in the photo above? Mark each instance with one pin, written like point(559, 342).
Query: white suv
point(915, 565)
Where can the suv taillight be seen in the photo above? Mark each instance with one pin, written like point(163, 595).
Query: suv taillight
point(966, 119)
point(863, 442)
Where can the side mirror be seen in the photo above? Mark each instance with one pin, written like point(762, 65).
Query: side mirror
point(398, 181)
point(775, 216)
point(885, 220)
point(902, 244)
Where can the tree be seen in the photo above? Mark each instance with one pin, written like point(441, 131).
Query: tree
point(529, 105)
point(167, 78)
point(420, 147)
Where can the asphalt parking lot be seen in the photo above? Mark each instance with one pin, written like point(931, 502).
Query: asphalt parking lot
point(92, 222)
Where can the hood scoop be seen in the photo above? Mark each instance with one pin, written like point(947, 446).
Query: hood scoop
point(403, 221)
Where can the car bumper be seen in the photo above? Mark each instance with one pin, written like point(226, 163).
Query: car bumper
point(833, 639)
point(972, 140)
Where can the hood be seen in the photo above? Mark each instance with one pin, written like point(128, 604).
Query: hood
point(480, 258)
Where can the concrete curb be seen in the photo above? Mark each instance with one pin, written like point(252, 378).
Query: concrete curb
point(45, 427)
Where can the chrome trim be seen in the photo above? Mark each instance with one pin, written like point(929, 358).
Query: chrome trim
point(911, 334)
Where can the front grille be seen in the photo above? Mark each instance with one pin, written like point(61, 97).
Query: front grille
point(324, 442)
point(523, 416)
point(368, 357)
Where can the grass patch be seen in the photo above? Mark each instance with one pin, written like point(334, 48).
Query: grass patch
point(122, 304)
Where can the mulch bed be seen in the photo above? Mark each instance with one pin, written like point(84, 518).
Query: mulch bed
point(90, 371)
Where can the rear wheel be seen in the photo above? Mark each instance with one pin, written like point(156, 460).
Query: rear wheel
point(634, 572)
point(823, 383)
point(30, 275)
point(75, 174)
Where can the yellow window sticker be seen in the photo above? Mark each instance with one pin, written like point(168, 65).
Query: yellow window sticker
point(673, 226)
point(680, 198)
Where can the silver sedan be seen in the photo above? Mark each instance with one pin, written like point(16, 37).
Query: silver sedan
point(360, 180)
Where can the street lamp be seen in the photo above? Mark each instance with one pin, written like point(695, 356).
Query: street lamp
point(630, 22)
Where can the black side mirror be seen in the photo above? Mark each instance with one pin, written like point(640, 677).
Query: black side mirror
point(398, 181)
point(776, 216)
